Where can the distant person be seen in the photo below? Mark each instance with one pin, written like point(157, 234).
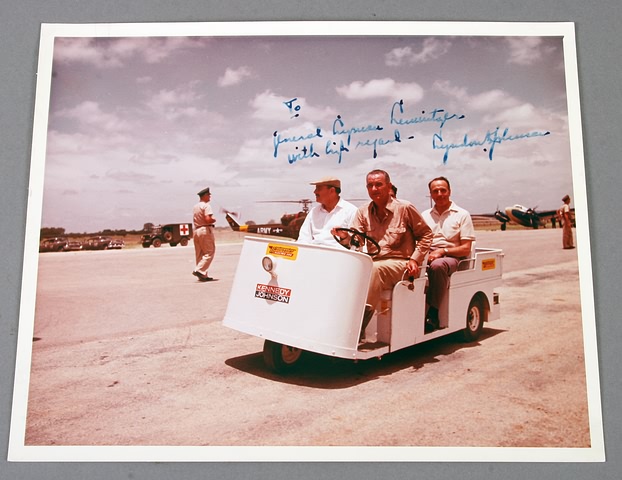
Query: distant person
point(402, 234)
point(393, 191)
point(331, 212)
point(566, 220)
point(453, 236)
point(203, 235)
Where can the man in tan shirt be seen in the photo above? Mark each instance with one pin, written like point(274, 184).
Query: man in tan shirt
point(402, 234)
point(204, 245)
point(566, 221)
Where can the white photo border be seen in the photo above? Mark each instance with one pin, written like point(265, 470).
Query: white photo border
point(18, 451)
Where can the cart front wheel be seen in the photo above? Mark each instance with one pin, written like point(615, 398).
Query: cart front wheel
point(279, 357)
point(476, 316)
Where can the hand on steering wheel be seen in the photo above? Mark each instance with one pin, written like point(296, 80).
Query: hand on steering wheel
point(358, 240)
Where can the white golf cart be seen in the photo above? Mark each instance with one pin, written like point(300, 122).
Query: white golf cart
point(300, 297)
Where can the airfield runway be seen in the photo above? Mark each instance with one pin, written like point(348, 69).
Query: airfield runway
point(129, 349)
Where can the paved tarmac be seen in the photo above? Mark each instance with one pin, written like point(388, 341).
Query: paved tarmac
point(129, 349)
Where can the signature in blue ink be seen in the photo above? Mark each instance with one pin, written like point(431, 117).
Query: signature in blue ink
point(437, 115)
point(491, 139)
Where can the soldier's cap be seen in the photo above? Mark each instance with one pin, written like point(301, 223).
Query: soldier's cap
point(205, 191)
point(566, 198)
point(330, 181)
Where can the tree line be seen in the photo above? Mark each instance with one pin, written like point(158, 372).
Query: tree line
point(61, 232)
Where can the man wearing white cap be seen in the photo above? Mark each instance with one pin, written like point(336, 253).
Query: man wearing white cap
point(332, 212)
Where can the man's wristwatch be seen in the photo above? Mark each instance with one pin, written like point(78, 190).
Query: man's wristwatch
point(446, 250)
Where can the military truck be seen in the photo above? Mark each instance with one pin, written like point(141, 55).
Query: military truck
point(171, 233)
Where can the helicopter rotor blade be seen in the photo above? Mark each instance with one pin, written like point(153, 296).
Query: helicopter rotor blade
point(304, 200)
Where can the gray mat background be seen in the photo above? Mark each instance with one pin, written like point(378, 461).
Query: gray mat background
point(599, 44)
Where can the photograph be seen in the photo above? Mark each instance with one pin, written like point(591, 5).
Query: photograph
point(307, 241)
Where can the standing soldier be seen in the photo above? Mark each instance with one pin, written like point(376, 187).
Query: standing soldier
point(204, 244)
point(566, 219)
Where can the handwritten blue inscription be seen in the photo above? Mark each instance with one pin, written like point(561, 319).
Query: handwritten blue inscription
point(378, 142)
point(341, 148)
point(342, 138)
point(437, 115)
point(292, 108)
point(490, 139)
point(278, 140)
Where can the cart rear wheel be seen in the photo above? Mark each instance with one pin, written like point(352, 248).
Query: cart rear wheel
point(279, 357)
point(183, 242)
point(157, 243)
point(476, 316)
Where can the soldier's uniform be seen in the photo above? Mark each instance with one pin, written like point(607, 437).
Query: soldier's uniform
point(203, 236)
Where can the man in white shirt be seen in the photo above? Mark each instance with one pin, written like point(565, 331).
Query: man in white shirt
point(332, 212)
point(453, 236)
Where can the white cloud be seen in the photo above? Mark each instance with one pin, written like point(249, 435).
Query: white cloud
point(153, 158)
point(173, 104)
point(131, 177)
point(527, 50)
point(234, 77)
point(89, 113)
point(115, 53)
point(527, 116)
point(381, 88)
point(432, 49)
point(501, 108)
point(252, 150)
point(446, 88)
point(492, 100)
point(64, 144)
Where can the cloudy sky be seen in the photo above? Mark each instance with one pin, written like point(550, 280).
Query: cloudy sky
point(138, 125)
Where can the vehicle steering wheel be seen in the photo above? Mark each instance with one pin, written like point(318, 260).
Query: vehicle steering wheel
point(358, 240)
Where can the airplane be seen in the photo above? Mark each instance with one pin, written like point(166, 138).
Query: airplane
point(289, 226)
point(526, 217)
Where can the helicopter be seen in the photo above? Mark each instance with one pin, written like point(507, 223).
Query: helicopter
point(289, 226)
